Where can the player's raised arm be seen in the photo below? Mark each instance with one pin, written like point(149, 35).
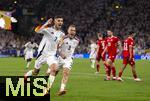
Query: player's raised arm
point(49, 21)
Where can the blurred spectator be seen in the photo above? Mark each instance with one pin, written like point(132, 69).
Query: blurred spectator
point(90, 17)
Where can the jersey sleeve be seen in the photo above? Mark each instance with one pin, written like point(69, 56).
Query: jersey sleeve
point(27, 44)
point(36, 45)
point(118, 41)
point(97, 42)
point(62, 35)
point(131, 43)
point(44, 31)
point(77, 43)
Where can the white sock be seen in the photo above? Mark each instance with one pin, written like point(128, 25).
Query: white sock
point(62, 86)
point(51, 80)
point(28, 63)
point(93, 62)
point(29, 73)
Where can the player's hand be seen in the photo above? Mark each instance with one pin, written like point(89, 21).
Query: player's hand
point(38, 29)
point(63, 56)
point(49, 21)
point(130, 58)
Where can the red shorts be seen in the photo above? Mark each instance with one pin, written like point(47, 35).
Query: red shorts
point(127, 61)
point(112, 57)
point(99, 57)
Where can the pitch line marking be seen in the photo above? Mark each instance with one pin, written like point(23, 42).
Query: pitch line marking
point(81, 74)
point(92, 74)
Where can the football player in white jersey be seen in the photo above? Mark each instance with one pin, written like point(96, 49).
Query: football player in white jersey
point(93, 51)
point(28, 52)
point(48, 47)
point(65, 57)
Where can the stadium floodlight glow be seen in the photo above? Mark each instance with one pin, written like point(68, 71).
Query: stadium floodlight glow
point(15, 2)
point(42, 18)
point(117, 6)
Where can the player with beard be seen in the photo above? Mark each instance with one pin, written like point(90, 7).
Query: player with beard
point(52, 37)
point(65, 56)
point(113, 44)
point(101, 44)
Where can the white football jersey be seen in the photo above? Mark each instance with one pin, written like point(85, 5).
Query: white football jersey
point(50, 40)
point(29, 47)
point(2, 23)
point(93, 48)
point(68, 46)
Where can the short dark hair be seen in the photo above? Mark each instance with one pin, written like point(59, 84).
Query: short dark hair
point(110, 29)
point(72, 25)
point(104, 35)
point(58, 16)
point(99, 33)
point(131, 32)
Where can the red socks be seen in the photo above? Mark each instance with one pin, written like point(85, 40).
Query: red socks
point(120, 73)
point(108, 70)
point(113, 71)
point(97, 67)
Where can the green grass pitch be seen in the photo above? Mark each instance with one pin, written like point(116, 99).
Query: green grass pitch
point(84, 85)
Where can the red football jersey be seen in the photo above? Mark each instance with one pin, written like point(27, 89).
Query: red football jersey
point(112, 43)
point(102, 44)
point(128, 42)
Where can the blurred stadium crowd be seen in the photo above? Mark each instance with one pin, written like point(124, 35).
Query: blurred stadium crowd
point(90, 17)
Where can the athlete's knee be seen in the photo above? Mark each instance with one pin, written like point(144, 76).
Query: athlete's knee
point(66, 74)
point(108, 62)
point(53, 67)
point(132, 65)
point(66, 71)
point(53, 70)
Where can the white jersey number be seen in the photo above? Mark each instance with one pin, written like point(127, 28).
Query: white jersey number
point(69, 47)
point(103, 45)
